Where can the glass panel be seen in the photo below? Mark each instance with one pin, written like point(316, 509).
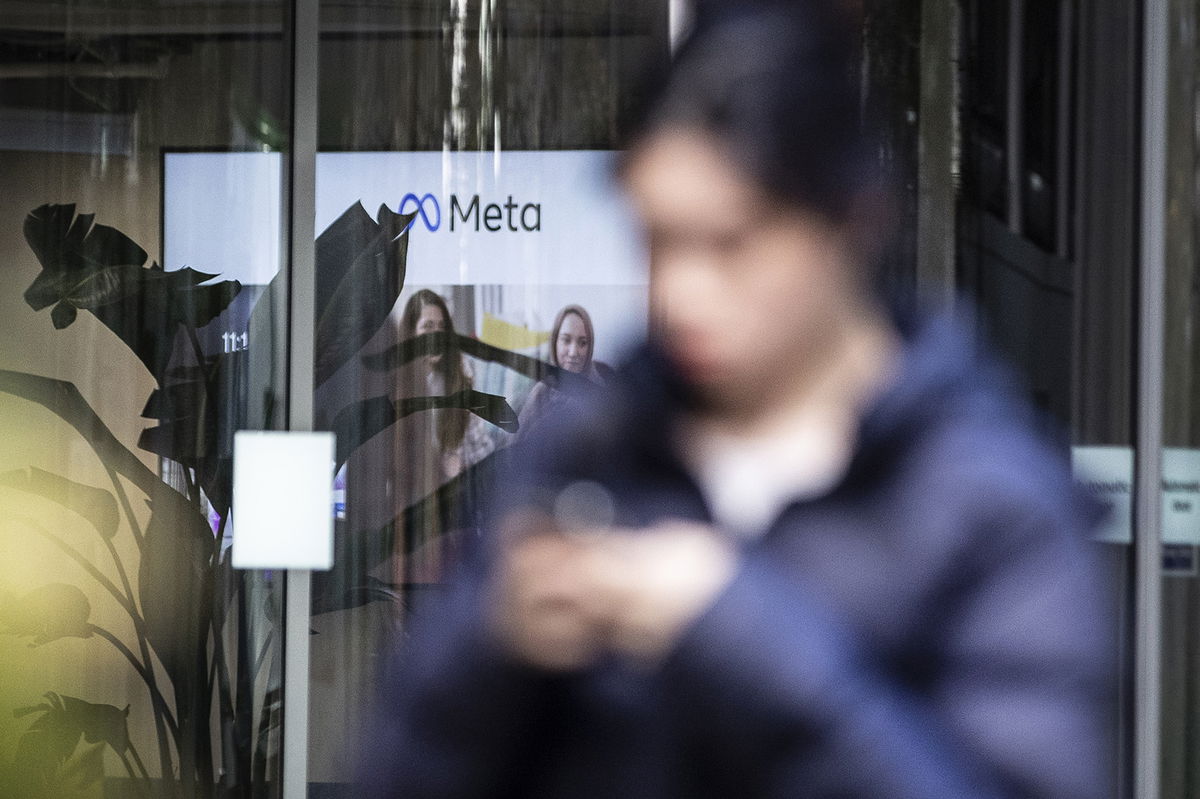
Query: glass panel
point(986, 115)
point(136, 661)
point(1067, 324)
point(1040, 77)
point(1181, 426)
point(493, 125)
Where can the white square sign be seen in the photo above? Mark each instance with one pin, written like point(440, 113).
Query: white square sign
point(283, 500)
point(1181, 496)
point(1107, 473)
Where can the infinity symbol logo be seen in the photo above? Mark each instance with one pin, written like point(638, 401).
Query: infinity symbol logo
point(420, 203)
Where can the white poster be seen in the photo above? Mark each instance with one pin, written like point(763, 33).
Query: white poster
point(509, 218)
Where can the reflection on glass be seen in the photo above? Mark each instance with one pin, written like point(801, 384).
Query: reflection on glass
point(486, 130)
point(1052, 269)
point(136, 661)
point(1181, 426)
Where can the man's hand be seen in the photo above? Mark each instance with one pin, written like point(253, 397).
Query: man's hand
point(561, 599)
point(657, 582)
point(544, 608)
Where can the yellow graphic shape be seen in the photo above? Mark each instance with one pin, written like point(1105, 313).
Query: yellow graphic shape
point(508, 336)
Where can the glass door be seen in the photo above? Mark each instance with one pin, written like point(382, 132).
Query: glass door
point(1048, 247)
point(464, 215)
point(1172, 74)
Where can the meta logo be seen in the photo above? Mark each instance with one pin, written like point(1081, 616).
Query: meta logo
point(475, 215)
point(423, 203)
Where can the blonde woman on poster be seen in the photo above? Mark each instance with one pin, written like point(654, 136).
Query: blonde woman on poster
point(572, 347)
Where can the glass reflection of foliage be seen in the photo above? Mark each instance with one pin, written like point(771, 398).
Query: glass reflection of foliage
point(177, 649)
point(182, 594)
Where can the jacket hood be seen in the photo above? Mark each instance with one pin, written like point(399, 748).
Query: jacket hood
point(943, 373)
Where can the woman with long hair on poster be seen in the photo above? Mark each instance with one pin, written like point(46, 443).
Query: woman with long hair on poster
point(441, 374)
point(433, 446)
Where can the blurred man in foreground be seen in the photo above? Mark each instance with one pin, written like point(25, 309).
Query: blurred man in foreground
point(805, 545)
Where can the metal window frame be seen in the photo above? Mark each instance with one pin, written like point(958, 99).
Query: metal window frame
point(1147, 729)
point(301, 191)
point(1064, 177)
point(938, 167)
point(1015, 117)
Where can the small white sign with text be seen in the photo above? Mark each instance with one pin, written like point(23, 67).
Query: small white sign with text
point(1181, 496)
point(1107, 474)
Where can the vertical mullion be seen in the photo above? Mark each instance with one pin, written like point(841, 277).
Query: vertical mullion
point(937, 166)
point(1015, 116)
point(301, 265)
point(1064, 112)
point(1148, 539)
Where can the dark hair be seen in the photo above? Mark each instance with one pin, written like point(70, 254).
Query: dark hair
point(452, 425)
point(776, 84)
point(421, 299)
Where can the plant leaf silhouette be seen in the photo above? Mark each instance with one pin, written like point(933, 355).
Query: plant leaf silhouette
point(96, 505)
point(489, 407)
point(49, 741)
point(70, 249)
point(53, 737)
point(101, 270)
point(47, 614)
point(95, 723)
point(362, 420)
point(174, 582)
point(360, 265)
point(175, 591)
point(426, 344)
point(63, 399)
point(86, 767)
point(198, 411)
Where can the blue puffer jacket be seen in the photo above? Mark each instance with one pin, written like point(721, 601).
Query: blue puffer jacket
point(935, 627)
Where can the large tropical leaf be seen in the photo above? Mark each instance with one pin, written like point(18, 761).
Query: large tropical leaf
point(492, 408)
point(64, 400)
point(47, 763)
point(70, 250)
point(175, 588)
point(98, 269)
point(360, 272)
point(45, 747)
point(147, 307)
point(46, 614)
point(338, 246)
point(96, 505)
point(174, 584)
point(95, 723)
point(198, 411)
point(186, 421)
